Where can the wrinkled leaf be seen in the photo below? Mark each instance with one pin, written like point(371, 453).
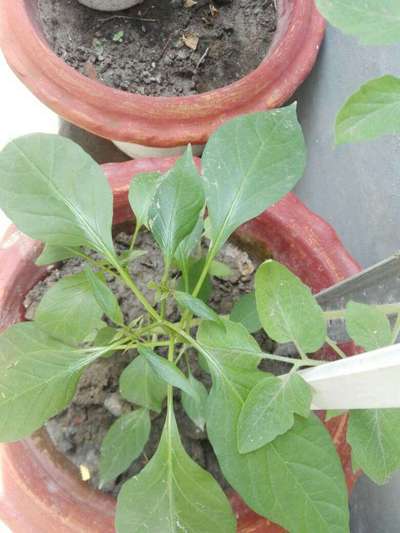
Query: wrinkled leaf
point(372, 111)
point(168, 371)
point(245, 312)
point(370, 21)
point(368, 326)
point(68, 311)
point(176, 206)
point(104, 296)
point(287, 309)
point(172, 494)
point(123, 443)
point(141, 194)
point(140, 385)
point(55, 192)
point(195, 408)
point(196, 306)
point(38, 379)
point(270, 408)
point(375, 442)
point(249, 163)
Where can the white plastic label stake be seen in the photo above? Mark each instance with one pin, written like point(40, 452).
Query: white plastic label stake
point(367, 381)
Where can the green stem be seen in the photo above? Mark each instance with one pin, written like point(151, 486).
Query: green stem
point(335, 347)
point(210, 257)
point(134, 236)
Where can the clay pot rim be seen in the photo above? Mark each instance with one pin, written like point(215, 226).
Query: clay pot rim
point(160, 121)
point(34, 463)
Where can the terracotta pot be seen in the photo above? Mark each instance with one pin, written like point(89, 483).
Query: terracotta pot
point(40, 490)
point(159, 122)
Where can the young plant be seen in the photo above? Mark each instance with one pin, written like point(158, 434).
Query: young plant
point(270, 447)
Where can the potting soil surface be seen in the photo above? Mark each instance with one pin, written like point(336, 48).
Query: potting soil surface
point(162, 48)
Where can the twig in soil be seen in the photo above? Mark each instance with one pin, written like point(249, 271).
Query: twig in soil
point(127, 17)
point(165, 48)
point(200, 61)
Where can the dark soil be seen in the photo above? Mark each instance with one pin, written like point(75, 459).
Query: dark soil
point(161, 47)
point(79, 430)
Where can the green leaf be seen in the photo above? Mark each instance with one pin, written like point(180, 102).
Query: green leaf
point(55, 192)
point(105, 298)
point(375, 442)
point(220, 270)
point(168, 371)
point(287, 309)
point(193, 274)
point(173, 494)
point(123, 443)
point(69, 311)
point(140, 385)
point(53, 254)
point(372, 111)
point(249, 163)
point(196, 407)
point(197, 307)
point(270, 408)
point(189, 244)
point(368, 326)
point(104, 337)
point(370, 21)
point(231, 344)
point(141, 194)
point(176, 206)
point(245, 312)
point(296, 480)
point(38, 379)
point(128, 256)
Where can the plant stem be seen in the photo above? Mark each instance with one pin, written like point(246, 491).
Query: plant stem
point(335, 347)
point(134, 236)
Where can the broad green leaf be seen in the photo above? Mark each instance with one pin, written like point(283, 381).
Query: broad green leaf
point(104, 296)
point(123, 443)
point(55, 192)
point(333, 413)
point(220, 270)
point(231, 344)
point(368, 326)
point(168, 371)
point(196, 407)
point(296, 480)
point(375, 442)
point(372, 22)
point(140, 385)
point(69, 311)
point(189, 244)
point(38, 379)
point(53, 254)
point(172, 494)
point(104, 337)
point(249, 163)
point(176, 206)
point(287, 309)
point(372, 111)
point(141, 194)
point(197, 306)
point(192, 275)
point(245, 312)
point(270, 408)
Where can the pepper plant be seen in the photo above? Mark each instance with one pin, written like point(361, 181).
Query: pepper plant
point(271, 448)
